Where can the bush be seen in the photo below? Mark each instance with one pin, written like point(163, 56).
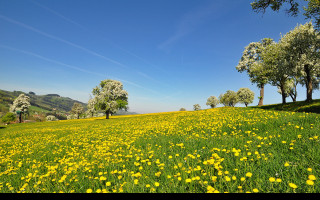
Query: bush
point(9, 117)
point(51, 118)
point(182, 109)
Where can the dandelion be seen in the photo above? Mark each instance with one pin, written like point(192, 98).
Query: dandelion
point(255, 190)
point(310, 182)
point(271, 179)
point(312, 177)
point(249, 174)
point(157, 184)
point(89, 190)
point(188, 180)
point(292, 185)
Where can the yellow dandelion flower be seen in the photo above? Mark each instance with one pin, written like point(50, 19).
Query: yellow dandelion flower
point(271, 179)
point(255, 190)
point(292, 185)
point(249, 174)
point(89, 190)
point(310, 182)
point(312, 177)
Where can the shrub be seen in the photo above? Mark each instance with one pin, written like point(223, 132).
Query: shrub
point(9, 117)
point(51, 118)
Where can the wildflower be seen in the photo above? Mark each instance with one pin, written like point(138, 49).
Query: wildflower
point(249, 174)
point(312, 177)
point(89, 190)
point(286, 164)
point(156, 184)
point(292, 185)
point(108, 184)
point(310, 182)
point(278, 180)
point(188, 180)
point(271, 179)
point(255, 190)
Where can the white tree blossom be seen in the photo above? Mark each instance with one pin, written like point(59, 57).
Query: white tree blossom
point(245, 96)
point(51, 118)
point(20, 105)
point(110, 97)
point(212, 101)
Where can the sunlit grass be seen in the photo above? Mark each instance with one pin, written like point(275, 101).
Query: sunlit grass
point(215, 150)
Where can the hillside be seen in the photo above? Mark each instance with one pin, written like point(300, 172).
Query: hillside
point(235, 150)
point(39, 103)
point(299, 106)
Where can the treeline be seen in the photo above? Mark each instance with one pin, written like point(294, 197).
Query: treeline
point(293, 60)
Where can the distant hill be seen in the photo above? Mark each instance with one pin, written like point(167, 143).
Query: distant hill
point(44, 103)
point(41, 103)
point(299, 106)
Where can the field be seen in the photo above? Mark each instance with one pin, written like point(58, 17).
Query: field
point(216, 150)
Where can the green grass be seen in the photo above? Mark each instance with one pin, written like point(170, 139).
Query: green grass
point(198, 146)
point(299, 106)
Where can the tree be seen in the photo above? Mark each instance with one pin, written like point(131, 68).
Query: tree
point(51, 118)
point(212, 101)
point(77, 109)
point(311, 11)
point(9, 117)
point(91, 107)
point(20, 105)
point(251, 62)
point(196, 107)
point(290, 89)
point(230, 98)
point(245, 96)
point(182, 109)
point(278, 66)
point(110, 97)
point(303, 46)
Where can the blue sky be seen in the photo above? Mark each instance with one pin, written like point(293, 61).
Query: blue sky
point(168, 54)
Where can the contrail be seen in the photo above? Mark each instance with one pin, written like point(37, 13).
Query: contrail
point(57, 14)
point(72, 67)
point(111, 43)
point(61, 40)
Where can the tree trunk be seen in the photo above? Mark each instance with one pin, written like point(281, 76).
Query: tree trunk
point(107, 114)
point(308, 83)
point(261, 95)
point(20, 117)
point(283, 94)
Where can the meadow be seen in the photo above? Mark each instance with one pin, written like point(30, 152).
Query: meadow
point(235, 150)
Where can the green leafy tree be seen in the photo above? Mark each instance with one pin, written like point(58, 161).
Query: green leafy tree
point(9, 117)
point(110, 97)
point(212, 101)
point(196, 107)
point(252, 63)
point(302, 44)
point(77, 109)
point(182, 109)
point(245, 96)
point(20, 105)
point(230, 98)
point(312, 11)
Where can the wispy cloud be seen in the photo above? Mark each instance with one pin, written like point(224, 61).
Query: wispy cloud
point(57, 14)
point(75, 67)
point(190, 22)
point(61, 40)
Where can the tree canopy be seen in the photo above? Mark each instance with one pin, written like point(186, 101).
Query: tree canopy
point(312, 11)
point(110, 97)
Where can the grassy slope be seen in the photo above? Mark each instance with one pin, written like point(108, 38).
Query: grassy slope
point(299, 106)
point(249, 140)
